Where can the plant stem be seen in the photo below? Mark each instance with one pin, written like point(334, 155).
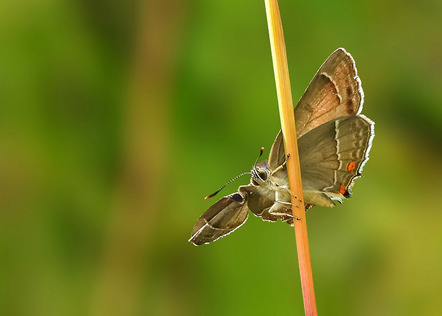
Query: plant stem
point(285, 103)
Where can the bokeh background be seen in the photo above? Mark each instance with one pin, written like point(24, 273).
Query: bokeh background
point(118, 117)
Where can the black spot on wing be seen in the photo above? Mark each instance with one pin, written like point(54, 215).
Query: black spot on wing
point(237, 197)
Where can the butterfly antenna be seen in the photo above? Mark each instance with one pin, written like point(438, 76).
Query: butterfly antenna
point(259, 156)
point(215, 193)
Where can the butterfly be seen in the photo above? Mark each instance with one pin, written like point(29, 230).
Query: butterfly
point(334, 140)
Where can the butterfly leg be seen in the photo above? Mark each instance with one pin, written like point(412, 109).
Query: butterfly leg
point(285, 187)
point(287, 203)
point(289, 191)
point(279, 209)
point(285, 212)
point(280, 167)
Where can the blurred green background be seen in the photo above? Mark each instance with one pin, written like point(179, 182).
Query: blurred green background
point(118, 117)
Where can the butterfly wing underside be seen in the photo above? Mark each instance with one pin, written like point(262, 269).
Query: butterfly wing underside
point(332, 156)
point(277, 152)
point(220, 219)
point(335, 91)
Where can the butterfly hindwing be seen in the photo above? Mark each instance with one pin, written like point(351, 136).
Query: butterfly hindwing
point(332, 156)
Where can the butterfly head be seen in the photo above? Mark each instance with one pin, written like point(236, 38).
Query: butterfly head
point(260, 174)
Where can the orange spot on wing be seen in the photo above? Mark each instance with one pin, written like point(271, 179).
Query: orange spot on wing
point(351, 166)
point(342, 189)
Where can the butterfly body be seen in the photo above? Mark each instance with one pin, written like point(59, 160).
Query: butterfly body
point(269, 196)
point(334, 140)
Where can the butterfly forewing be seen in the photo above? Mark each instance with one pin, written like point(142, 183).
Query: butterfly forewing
point(277, 152)
point(335, 91)
point(220, 219)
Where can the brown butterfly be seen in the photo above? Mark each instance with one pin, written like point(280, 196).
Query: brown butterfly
point(333, 139)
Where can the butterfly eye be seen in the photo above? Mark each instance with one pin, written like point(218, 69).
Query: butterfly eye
point(262, 174)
